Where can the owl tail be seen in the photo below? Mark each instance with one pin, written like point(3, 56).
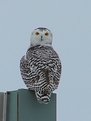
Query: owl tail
point(43, 96)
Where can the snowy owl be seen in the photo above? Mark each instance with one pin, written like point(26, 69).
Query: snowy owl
point(41, 67)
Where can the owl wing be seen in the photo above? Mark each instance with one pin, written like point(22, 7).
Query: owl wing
point(55, 72)
point(27, 74)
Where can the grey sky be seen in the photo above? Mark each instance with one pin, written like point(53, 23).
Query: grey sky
point(70, 22)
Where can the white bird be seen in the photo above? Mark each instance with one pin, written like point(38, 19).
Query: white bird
point(41, 67)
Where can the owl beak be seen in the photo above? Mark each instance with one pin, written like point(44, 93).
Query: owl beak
point(41, 38)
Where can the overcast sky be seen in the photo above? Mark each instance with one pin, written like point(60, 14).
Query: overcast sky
point(70, 22)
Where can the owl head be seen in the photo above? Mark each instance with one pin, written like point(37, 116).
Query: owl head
point(41, 36)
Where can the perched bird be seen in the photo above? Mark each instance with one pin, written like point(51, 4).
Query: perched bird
point(41, 67)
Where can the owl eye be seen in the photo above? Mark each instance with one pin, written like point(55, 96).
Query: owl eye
point(46, 33)
point(37, 33)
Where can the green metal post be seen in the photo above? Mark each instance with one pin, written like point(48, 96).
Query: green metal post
point(1, 106)
point(11, 106)
point(22, 105)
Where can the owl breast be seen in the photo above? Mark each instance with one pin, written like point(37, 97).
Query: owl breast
point(41, 52)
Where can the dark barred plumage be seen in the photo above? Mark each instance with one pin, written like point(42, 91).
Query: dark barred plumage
point(42, 28)
point(41, 70)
